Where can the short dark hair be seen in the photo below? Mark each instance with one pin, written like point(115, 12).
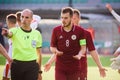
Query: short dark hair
point(76, 11)
point(18, 15)
point(11, 18)
point(67, 10)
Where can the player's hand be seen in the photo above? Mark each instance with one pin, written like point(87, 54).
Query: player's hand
point(78, 56)
point(39, 76)
point(119, 71)
point(4, 32)
point(109, 7)
point(58, 53)
point(47, 67)
point(102, 72)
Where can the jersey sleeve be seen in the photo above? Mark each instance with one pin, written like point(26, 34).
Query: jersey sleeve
point(117, 17)
point(53, 39)
point(35, 22)
point(13, 30)
point(89, 41)
point(118, 50)
point(39, 41)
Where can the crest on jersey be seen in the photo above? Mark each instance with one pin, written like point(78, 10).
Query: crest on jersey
point(73, 37)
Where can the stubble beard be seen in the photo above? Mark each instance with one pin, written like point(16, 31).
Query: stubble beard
point(25, 24)
point(67, 24)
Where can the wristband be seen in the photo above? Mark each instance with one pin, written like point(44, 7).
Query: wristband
point(40, 72)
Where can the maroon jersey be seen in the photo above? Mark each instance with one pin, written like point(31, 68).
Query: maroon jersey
point(68, 43)
point(83, 61)
point(89, 41)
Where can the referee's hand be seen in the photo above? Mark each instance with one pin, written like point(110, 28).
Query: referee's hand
point(39, 76)
point(4, 32)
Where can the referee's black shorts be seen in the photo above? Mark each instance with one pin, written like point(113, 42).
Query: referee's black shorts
point(24, 70)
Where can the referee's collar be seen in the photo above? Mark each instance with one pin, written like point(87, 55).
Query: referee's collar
point(26, 30)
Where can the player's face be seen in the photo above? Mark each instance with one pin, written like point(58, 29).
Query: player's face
point(66, 19)
point(26, 19)
point(75, 19)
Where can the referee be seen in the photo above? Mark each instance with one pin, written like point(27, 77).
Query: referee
point(26, 53)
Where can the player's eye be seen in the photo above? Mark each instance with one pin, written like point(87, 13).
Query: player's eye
point(25, 17)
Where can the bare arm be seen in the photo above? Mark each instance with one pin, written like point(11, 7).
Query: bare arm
point(81, 53)
point(96, 58)
point(52, 59)
point(109, 7)
point(39, 61)
point(56, 51)
point(83, 50)
point(4, 53)
point(6, 32)
point(117, 17)
point(47, 66)
point(53, 49)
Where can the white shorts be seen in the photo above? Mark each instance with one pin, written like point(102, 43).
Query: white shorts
point(118, 49)
point(6, 72)
point(116, 63)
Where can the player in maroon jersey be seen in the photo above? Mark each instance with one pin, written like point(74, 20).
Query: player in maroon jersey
point(69, 44)
point(91, 49)
point(83, 60)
